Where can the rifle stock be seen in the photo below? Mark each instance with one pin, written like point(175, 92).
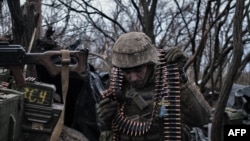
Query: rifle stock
point(52, 61)
point(14, 57)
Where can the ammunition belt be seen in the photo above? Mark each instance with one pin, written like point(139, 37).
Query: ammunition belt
point(169, 79)
point(167, 99)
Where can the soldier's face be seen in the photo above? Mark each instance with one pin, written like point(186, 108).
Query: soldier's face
point(135, 76)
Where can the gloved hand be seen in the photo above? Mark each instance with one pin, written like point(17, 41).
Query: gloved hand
point(106, 109)
point(175, 55)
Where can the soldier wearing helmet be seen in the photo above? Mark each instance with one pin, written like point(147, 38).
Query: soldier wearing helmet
point(135, 106)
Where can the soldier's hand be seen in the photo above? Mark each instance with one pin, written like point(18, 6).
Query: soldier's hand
point(175, 55)
point(106, 109)
point(30, 79)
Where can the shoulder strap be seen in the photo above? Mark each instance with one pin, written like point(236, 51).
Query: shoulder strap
point(64, 80)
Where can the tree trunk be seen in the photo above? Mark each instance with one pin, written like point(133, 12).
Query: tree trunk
point(24, 21)
point(217, 123)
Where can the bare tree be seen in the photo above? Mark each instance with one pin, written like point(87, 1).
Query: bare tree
point(205, 29)
point(24, 21)
point(232, 73)
point(201, 28)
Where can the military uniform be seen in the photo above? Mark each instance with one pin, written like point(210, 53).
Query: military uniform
point(131, 50)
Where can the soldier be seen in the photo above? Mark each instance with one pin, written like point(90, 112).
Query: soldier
point(137, 105)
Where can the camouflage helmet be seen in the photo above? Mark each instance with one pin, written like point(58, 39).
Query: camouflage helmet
point(133, 49)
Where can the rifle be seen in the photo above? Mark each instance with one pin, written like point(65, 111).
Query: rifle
point(14, 57)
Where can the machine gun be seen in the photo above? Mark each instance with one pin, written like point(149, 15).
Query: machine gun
point(14, 57)
point(40, 114)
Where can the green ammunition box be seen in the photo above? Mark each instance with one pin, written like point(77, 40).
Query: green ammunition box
point(11, 102)
point(41, 119)
point(40, 112)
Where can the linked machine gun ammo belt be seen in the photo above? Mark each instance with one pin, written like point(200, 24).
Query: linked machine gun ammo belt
point(169, 79)
point(166, 103)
